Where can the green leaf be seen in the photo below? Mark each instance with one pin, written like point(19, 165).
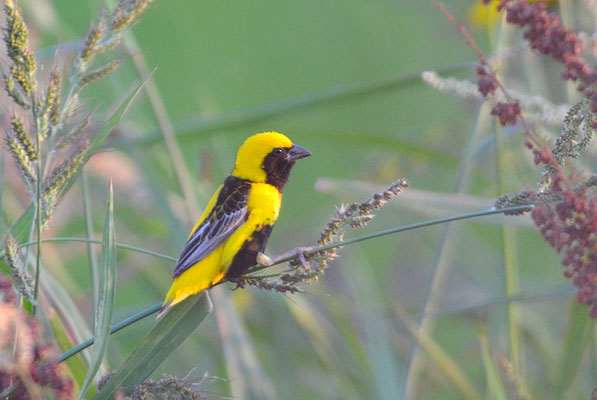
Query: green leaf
point(248, 379)
point(70, 316)
point(440, 358)
point(578, 337)
point(76, 366)
point(98, 139)
point(322, 336)
point(105, 301)
point(20, 229)
point(93, 263)
point(100, 136)
point(158, 344)
point(5, 268)
point(492, 375)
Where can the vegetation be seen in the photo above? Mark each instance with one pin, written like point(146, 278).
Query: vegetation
point(480, 306)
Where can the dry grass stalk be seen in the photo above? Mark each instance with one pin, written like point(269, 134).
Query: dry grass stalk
point(353, 215)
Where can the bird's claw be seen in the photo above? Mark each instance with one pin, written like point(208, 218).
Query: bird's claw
point(264, 260)
point(294, 253)
point(238, 284)
point(300, 253)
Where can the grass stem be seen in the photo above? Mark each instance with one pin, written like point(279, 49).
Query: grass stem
point(38, 202)
point(156, 307)
point(86, 240)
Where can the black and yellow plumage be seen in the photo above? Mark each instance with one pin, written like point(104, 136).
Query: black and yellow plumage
point(235, 226)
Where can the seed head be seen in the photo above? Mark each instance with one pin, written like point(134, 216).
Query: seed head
point(16, 39)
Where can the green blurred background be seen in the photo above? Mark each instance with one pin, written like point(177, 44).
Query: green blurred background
point(341, 78)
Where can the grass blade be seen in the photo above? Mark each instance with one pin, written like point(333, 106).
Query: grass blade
point(98, 139)
point(248, 379)
point(76, 365)
point(448, 366)
point(56, 296)
point(319, 332)
point(578, 336)
point(494, 380)
point(105, 301)
point(5, 269)
point(70, 316)
point(20, 229)
point(91, 250)
point(159, 343)
point(382, 356)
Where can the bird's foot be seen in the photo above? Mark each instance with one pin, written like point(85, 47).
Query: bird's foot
point(299, 253)
point(264, 260)
point(238, 284)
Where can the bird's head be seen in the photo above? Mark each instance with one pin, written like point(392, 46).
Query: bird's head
point(268, 157)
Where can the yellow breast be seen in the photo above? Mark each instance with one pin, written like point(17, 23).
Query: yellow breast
point(263, 203)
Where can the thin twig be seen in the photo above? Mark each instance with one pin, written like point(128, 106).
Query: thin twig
point(86, 240)
point(471, 42)
point(373, 235)
point(122, 324)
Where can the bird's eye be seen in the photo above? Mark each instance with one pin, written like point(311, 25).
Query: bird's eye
point(278, 151)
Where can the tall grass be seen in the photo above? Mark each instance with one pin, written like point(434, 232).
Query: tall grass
point(471, 309)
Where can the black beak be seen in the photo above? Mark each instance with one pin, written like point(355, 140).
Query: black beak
point(297, 152)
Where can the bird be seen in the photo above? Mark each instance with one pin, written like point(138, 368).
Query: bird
point(234, 228)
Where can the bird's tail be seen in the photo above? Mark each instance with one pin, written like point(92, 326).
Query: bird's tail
point(174, 296)
point(165, 308)
point(182, 288)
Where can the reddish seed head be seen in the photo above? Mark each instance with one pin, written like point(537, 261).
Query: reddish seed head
point(507, 113)
point(44, 370)
point(547, 35)
point(487, 83)
point(7, 293)
point(570, 228)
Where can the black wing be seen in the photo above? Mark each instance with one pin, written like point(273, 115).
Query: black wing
point(228, 214)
